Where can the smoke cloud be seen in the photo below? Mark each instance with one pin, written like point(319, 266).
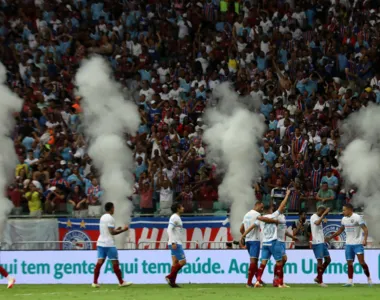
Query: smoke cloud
point(9, 104)
point(107, 117)
point(361, 163)
point(232, 144)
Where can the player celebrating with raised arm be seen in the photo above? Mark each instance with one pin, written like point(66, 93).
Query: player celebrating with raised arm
point(106, 245)
point(318, 243)
point(281, 239)
point(352, 223)
point(250, 230)
point(270, 244)
point(175, 229)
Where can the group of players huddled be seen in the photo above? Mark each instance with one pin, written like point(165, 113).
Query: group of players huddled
point(261, 229)
point(269, 231)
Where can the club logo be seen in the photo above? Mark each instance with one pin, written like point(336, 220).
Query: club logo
point(337, 242)
point(77, 240)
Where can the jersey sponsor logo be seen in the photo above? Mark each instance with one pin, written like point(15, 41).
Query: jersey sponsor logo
point(337, 243)
point(78, 241)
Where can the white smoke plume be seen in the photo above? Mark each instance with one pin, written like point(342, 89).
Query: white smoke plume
point(107, 117)
point(361, 163)
point(232, 140)
point(9, 104)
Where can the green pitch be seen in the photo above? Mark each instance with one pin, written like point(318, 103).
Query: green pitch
point(189, 291)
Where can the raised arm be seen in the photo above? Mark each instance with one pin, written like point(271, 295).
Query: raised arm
point(262, 219)
point(268, 220)
point(284, 202)
point(319, 221)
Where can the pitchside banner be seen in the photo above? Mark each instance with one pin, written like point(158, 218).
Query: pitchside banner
point(151, 267)
point(208, 232)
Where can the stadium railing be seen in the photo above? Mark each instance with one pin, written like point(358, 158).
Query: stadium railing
point(164, 245)
point(147, 245)
point(195, 214)
point(78, 245)
point(38, 245)
point(218, 245)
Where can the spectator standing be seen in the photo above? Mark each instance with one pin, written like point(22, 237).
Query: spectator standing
point(33, 196)
point(78, 199)
point(325, 196)
point(301, 230)
point(94, 195)
point(146, 187)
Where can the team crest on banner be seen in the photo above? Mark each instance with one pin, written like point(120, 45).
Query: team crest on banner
point(77, 240)
point(339, 240)
point(205, 232)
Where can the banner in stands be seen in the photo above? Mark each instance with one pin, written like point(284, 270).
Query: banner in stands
point(208, 232)
point(151, 267)
point(30, 234)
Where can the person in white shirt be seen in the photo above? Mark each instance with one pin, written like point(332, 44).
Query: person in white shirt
point(175, 92)
point(183, 29)
point(270, 246)
point(266, 24)
point(165, 188)
point(136, 48)
point(175, 231)
point(204, 62)
point(162, 71)
point(165, 93)
point(300, 16)
point(198, 82)
point(318, 243)
point(106, 245)
point(353, 225)
point(251, 239)
point(30, 160)
point(147, 91)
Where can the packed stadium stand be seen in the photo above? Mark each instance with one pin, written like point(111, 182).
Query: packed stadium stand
point(304, 65)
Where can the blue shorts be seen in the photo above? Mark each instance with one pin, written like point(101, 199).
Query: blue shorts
point(272, 248)
point(320, 251)
point(178, 253)
point(283, 248)
point(110, 252)
point(353, 250)
point(253, 248)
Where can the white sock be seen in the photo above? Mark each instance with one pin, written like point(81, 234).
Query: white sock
point(9, 277)
point(350, 281)
point(369, 279)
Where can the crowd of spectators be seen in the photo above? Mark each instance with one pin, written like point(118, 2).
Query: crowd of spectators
point(304, 65)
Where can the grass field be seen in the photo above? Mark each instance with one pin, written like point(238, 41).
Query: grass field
point(194, 291)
